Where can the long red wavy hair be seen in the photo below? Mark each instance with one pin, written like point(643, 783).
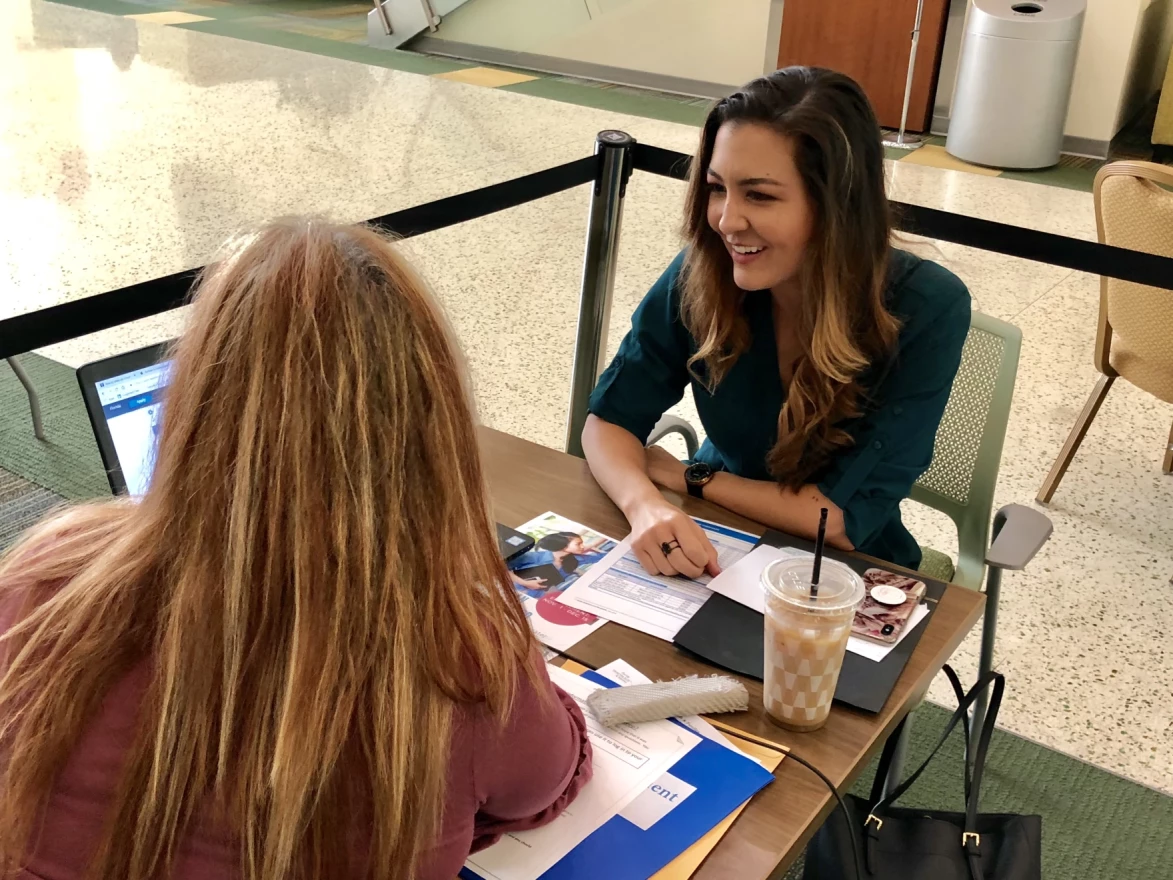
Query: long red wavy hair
point(845, 326)
point(313, 578)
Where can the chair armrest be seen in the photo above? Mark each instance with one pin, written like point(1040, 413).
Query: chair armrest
point(1019, 533)
point(675, 425)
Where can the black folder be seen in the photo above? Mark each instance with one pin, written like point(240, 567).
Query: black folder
point(729, 635)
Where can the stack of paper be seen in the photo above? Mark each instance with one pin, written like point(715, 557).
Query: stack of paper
point(673, 805)
point(627, 760)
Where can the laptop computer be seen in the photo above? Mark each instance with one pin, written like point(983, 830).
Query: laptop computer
point(124, 400)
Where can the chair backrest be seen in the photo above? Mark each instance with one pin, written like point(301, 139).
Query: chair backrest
point(1136, 321)
point(968, 450)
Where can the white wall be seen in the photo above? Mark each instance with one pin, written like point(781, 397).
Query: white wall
point(714, 41)
point(718, 42)
point(516, 25)
point(1101, 68)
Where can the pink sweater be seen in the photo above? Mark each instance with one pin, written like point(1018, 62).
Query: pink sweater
point(499, 780)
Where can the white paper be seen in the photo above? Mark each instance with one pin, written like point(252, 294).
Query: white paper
point(663, 795)
point(742, 583)
point(619, 589)
point(627, 759)
point(657, 801)
point(556, 624)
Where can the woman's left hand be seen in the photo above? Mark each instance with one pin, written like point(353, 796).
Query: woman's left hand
point(666, 470)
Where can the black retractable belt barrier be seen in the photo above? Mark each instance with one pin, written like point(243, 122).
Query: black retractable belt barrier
point(657, 160)
point(1031, 244)
point(489, 199)
point(599, 262)
point(104, 310)
point(93, 313)
point(987, 235)
point(90, 314)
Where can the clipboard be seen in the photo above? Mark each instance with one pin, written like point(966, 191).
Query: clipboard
point(729, 635)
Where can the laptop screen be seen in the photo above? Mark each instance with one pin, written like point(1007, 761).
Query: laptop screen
point(132, 405)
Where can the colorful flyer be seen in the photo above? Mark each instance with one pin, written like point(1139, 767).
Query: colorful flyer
point(563, 552)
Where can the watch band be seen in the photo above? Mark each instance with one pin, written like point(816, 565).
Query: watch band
point(696, 490)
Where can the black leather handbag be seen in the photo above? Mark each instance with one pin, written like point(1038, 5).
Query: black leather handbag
point(896, 843)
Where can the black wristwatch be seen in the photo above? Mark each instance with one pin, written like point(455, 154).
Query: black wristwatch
point(696, 476)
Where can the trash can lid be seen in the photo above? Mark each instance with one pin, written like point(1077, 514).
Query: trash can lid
point(1036, 20)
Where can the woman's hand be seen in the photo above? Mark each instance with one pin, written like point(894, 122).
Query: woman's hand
point(628, 474)
point(657, 525)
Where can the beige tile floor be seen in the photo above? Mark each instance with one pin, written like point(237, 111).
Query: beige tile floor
point(128, 150)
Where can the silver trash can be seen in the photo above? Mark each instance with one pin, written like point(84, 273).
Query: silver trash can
point(1014, 82)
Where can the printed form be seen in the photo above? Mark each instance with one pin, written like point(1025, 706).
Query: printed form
point(618, 588)
point(627, 759)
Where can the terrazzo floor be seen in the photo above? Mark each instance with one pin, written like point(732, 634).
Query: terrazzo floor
point(339, 30)
point(130, 150)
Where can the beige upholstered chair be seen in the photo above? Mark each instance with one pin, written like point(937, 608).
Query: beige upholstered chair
point(1135, 338)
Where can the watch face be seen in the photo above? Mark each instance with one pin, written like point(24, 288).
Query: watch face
point(698, 473)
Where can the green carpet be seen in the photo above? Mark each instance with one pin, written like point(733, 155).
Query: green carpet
point(67, 461)
point(22, 504)
point(1095, 825)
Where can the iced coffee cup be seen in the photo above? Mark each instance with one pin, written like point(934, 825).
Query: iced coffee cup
point(806, 638)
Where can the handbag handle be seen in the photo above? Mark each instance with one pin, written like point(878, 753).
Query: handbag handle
point(959, 716)
point(970, 839)
point(979, 759)
point(889, 752)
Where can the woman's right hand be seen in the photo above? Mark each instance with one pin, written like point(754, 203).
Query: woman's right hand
point(657, 522)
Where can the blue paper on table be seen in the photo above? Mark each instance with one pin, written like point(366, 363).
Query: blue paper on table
point(700, 790)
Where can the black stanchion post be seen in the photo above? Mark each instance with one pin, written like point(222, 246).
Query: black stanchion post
point(598, 276)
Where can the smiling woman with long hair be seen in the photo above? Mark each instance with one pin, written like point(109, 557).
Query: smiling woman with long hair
point(300, 654)
point(820, 357)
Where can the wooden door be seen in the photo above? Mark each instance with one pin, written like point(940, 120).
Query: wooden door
point(869, 40)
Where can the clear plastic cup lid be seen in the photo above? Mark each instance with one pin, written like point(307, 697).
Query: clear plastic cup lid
point(789, 580)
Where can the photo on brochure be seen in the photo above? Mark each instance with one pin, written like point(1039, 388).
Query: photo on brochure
point(563, 551)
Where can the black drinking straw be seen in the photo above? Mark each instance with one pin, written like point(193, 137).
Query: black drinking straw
point(822, 536)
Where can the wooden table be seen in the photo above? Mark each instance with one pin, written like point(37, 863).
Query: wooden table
point(526, 480)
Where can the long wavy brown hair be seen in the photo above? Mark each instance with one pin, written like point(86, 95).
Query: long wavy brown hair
point(844, 324)
point(312, 580)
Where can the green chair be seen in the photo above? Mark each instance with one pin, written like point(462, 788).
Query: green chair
point(968, 450)
point(961, 479)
